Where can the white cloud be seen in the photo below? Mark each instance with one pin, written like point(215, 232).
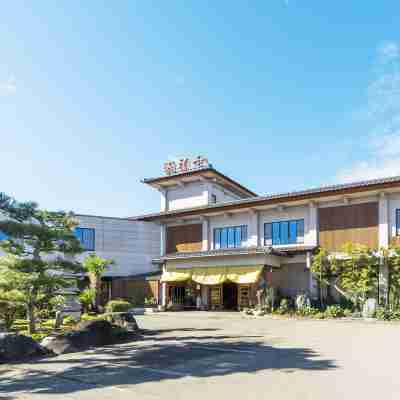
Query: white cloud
point(8, 87)
point(388, 51)
point(383, 114)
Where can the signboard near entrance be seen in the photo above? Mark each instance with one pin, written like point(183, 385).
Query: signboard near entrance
point(181, 165)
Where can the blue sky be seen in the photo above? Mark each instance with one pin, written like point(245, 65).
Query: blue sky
point(280, 95)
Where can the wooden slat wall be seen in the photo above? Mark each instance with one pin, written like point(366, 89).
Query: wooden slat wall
point(134, 289)
point(357, 223)
point(184, 238)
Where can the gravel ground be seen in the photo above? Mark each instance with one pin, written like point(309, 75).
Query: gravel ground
point(222, 355)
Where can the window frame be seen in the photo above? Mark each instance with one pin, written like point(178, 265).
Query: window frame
point(80, 238)
point(275, 229)
point(227, 237)
point(397, 221)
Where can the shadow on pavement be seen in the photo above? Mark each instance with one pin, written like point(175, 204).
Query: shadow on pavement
point(140, 362)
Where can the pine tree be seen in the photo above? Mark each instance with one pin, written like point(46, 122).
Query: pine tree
point(39, 249)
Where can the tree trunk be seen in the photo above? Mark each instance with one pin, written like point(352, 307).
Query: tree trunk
point(30, 313)
point(95, 283)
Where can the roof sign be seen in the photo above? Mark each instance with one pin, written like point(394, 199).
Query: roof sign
point(182, 165)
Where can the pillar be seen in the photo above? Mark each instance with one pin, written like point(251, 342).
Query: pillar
point(164, 289)
point(312, 285)
point(253, 234)
point(383, 225)
point(312, 225)
point(163, 239)
point(205, 234)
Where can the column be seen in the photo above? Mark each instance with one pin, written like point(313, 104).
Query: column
point(383, 228)
point(312, 224)
point(205, 234)
point(164, 289)
point(253, 235)
point(163, 239)
point(383, 221)
point(312, 286)
point(164, 199)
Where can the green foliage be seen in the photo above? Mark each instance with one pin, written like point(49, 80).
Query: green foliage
point(386, 314)
point(10, 304)
point(354, 275)
point(35, 262)
point(87, 298)
point(307, 311)
point(334, 311)
point(283, 307)
point(88, 317)
point(118, 306)
point(149, 301)
point(95, 266)
point(68, 320)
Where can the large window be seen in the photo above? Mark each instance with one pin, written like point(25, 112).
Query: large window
point(86, 237)
point(3, 236)
point(284, 232)
point(398, 222)
point(230, 237)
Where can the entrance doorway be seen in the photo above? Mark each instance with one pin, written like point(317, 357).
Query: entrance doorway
point(230, 296)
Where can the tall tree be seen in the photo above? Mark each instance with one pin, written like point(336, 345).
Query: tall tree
point(95, 267)
point(354, 274)
point(39, 249)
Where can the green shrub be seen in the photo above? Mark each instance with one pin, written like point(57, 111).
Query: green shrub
point(118, 306)
point(87, 299)
point(307, 311)
point(87, 317)
point(386, 314)
point(334, 311)
point(283, 306)
point(319, 315)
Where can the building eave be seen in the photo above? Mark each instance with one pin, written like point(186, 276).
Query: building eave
point(234, 252)
point(310, 194)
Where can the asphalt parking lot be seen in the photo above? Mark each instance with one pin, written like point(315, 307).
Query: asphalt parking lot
point(218, 355)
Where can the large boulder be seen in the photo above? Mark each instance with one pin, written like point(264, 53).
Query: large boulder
point(85, 335)
point(125, 320)
point(14, 347)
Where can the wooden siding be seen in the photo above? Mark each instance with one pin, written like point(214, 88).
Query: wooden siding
point(357, 223)
point(134, 290)
point(184, 238)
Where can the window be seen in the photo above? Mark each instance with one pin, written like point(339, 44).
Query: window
point(284, 232)
point(230, 237)
point(3, 236)
point(86, 237)
point(398, 222)
point(213, 198)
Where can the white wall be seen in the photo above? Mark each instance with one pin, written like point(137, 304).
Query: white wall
point(244, 218)
point(288, 214)
point(222, 194)
point(221, 221)
point(190, 195)
point(131, 244)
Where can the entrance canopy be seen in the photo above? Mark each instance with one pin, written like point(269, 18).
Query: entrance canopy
point(214, 275)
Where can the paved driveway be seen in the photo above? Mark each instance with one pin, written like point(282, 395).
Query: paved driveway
point(223, 356)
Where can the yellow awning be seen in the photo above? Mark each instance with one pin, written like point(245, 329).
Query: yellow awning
point(214, 275)
point(176, 275)
point(249, 274)
point(209, 275)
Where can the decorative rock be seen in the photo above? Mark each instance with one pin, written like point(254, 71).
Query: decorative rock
point(14, 347)
point(125, 320)
point(369, 308)
point(87, 334)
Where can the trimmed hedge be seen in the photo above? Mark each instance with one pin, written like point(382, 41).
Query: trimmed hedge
point(118, 306)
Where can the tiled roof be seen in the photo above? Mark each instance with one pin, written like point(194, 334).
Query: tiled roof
point(235, 252)
point(275, 198)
